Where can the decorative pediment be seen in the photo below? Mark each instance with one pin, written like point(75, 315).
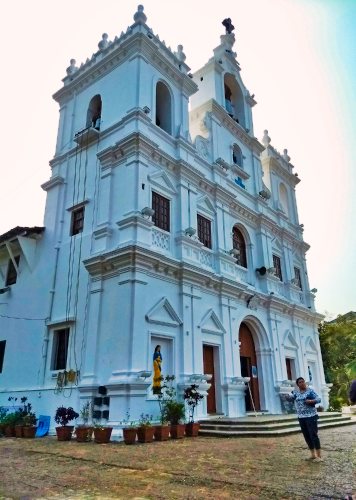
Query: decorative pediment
point(210, 323)
point(276, 244)
point(163, 313)
point(289, 341)
point(162, 181)
point(310, 346)
point(205, 205)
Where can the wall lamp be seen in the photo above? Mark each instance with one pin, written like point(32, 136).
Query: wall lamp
point(147, 212)
point(190, 231)
point(261, 270)
point(235, 252)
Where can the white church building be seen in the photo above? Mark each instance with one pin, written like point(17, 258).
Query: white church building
point(167, 222)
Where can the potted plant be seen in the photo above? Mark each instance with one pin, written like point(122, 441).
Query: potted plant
point(9, 422)
point(192, 398)
point(102, 433)
point(62, 417)
point(164, 392)
point(145, 431)
point(130, 430)
point(84, 431)
point(175, 414)
point(28, 419)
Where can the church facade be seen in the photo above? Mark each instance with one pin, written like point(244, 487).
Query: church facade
point(163, 226)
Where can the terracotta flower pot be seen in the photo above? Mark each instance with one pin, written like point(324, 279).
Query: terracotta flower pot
point(192, 429)
point(130, 435)
point(19, 431)
point(64, 433)
point(102, 435)
point(145, 434)
point(161, 432)
point(29, 432)
point(84, 434)
point(177, 431)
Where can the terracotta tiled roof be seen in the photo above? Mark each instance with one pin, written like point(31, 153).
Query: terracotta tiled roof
point(20, 231)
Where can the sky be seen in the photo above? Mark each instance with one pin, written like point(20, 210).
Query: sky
point(297, 56)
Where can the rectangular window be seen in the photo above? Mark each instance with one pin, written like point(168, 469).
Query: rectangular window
point(2, 353)
point(204, 231)
point(77, 223)
point(161, 206)
point(290, 368)
point(11, 276)
point(297, 278)
point(60, 349)
point(277, 266)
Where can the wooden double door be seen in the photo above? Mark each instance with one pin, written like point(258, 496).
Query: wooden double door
point(248, 362)
point(209, 368)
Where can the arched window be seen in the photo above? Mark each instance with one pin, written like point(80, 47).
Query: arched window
point(283, 198)
point(94, 112)
point(237, 155)
point(163, 107)
point(238, 243)
point(234, 100)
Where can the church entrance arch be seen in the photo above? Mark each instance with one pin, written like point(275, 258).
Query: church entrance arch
point(248, 362)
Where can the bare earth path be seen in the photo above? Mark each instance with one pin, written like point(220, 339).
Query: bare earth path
point(191, 468)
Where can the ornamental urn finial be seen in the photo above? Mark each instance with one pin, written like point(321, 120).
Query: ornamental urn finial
point(72, 68)
point(104, 42)
point(140, 17)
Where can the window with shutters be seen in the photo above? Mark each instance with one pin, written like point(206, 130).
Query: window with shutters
point(204, 231)
point(60, 349)
point(161, 206)
point(277, 266)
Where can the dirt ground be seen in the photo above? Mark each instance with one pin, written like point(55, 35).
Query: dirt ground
point(190, 468)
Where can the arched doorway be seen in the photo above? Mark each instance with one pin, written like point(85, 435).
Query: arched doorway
point(248, 362)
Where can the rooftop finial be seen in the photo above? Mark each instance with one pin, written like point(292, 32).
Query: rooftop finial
point(229, 27)
point(140, 17)
point(104, 42)
point(285, 155)
point(72, 68)
point(266, 139)
point(180, 54)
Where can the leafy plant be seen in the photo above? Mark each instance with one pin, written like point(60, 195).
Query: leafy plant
point(192, 398)
point(127, 422)
point(145, 420)
point(86, 412)
point(25, 414)
point(338, 347)
point(3, 413)
point(64, 415)
point(174, 411)
point(165, 393)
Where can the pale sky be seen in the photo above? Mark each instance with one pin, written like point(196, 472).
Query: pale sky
point(297, 56)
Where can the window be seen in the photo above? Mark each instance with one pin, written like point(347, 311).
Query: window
point(237, 155)
point(297, 278)
point(60, 349)
point(277, 266)
point(163, 107)
point(290, 369)
point(94, 113)
point(2, 353)
point(11, 276)
point(238, 243)
point(204, 231)
point(77, 223)
point(161, 206)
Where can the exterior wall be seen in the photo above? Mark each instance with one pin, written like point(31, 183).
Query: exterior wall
point(123, 285)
